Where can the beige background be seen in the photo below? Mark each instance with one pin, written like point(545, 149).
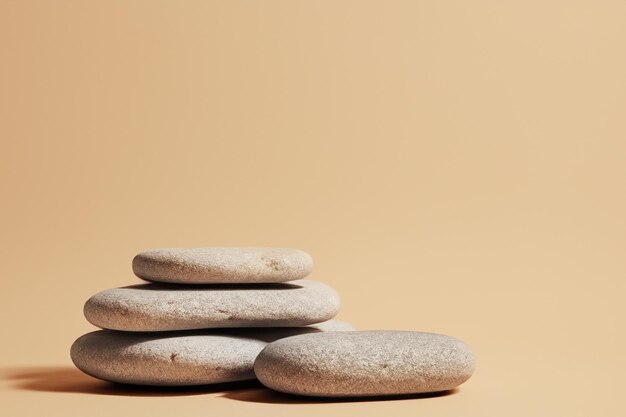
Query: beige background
point(455, 167)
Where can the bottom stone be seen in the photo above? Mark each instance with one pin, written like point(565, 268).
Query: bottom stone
point(180, 358)
point(366, 363)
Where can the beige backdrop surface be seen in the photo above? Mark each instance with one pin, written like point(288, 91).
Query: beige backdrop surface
point(455, 167)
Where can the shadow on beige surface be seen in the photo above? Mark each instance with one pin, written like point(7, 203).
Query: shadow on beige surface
point(268, 396)
point(70, 380)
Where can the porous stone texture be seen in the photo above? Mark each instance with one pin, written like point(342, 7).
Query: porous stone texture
point(162, 307)
point(175, 358)
point(222, 265)
point(364, 363)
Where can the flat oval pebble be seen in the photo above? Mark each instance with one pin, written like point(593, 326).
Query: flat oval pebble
point(177, 358)
point(162, 307)
point(222, 265)
point(364, 363)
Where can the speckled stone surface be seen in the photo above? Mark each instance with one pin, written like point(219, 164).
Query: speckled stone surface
point(162, 307)
point(364, 363)
point(222, 265)
point(177, 358)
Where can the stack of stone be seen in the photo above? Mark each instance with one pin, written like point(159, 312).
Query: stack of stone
point(204, 317)
point(212, 315)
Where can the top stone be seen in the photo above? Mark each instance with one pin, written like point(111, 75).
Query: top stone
point(222, 265)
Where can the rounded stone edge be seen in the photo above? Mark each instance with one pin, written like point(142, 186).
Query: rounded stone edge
point(75, 353)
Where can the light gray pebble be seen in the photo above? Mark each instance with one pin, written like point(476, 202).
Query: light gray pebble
point(177, 358)
point(222, 265)
point(364, 363)
point(163, 307)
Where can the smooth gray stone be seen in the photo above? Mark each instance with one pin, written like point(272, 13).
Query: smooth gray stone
point(364, 363)
point(163, 307)
point(176, 358)
point(222, 265)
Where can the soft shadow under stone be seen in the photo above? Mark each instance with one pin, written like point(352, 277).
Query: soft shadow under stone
point(66, 379)
point(268, 396)
point(71, 380)
point(158, 286)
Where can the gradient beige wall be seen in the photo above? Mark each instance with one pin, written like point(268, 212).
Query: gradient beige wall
point(456, 167)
